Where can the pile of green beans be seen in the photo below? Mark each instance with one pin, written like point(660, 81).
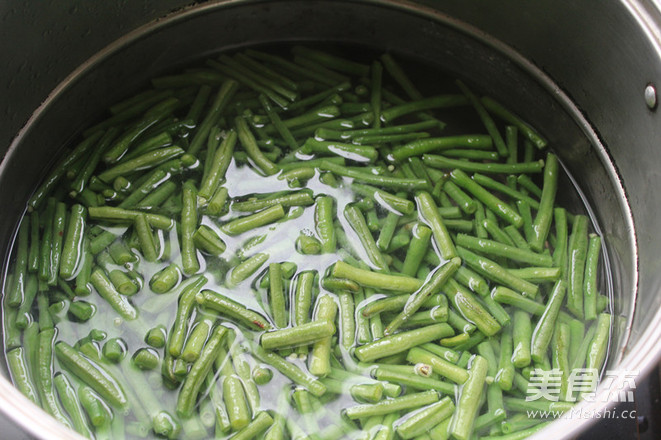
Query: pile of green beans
point(294, 245)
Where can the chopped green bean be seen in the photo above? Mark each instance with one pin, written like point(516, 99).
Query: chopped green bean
point(225, 306)
point(402, 341)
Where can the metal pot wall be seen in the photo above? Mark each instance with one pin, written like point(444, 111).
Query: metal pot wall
point(561, 63)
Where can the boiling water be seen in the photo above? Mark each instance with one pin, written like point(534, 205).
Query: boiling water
point(278, 240)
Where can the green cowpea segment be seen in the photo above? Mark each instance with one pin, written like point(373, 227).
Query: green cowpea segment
point(305, 242)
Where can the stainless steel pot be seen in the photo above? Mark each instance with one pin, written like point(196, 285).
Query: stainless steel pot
point(559, 62)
